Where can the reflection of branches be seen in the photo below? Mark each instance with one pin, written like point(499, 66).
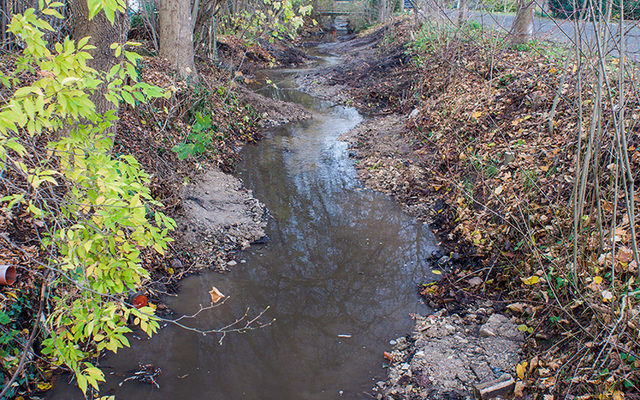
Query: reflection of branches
point(240, 325)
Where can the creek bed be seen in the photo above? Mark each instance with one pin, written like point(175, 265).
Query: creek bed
point(338, 276)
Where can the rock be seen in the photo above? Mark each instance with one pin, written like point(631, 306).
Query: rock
point(232, 263)
point(449, 329)
point(475, 281)
point(414, 113)
point(176, 264)
point(509, 157)
point(444, 261)
point(486, 332)
point(437, 254)
point(501, 387)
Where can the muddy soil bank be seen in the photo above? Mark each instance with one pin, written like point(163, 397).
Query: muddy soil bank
point(470, 341)
point(218, 215)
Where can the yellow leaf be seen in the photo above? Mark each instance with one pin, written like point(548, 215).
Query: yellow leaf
point(597, 280)
point(521, 369)
point(532, 280)
point(618, 395)
point(476, 114)
point(437, 272)
point(216, 295)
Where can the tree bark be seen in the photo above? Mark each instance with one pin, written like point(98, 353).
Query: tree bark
point(462, 12)
point(176, 37)
point(522, 28)
point(382, 10)
point(103, 34)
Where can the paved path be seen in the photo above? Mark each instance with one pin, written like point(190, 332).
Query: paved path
point(563, 31)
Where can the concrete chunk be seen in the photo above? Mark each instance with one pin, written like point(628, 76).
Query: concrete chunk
point(501, 387)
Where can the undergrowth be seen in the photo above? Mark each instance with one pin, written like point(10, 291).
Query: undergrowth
point(489, 122)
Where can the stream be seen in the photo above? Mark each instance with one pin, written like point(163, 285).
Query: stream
point(338, 276)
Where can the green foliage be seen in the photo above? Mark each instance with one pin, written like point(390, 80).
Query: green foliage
point(278, 19)
point(200, 139)
point(432, 36)
point(506, 6)
point(10, 333)
point(98, 212)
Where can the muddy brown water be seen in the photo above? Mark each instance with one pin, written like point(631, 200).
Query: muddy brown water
point(341, 260)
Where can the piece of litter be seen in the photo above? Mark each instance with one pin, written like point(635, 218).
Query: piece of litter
point(344, 335)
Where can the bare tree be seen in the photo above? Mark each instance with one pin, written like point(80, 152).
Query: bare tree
point(176, 36)
point(522, 28)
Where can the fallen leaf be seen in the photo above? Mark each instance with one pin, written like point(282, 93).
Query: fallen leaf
point(521, 369)
point(618, 395)
point(499, 190)
point(216, 295)
point(519, 389)
point(517, 307)
point(388, 356)
point(624, 254)
point(533, 364)
point(532, 280)
point(597, 280)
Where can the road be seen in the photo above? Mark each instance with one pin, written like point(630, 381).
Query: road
point(563, 31)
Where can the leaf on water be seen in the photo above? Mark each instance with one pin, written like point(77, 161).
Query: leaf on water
point(437, 272)
point(216, 295)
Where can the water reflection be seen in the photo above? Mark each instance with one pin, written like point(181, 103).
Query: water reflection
point(341, 260)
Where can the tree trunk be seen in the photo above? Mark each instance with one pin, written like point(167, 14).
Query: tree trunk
point(176, 37)
point(522, 29)
point(382, 10)
point(462, 12)
point(103, 34)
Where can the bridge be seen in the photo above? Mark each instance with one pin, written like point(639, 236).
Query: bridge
point(344, 7)
point(350, 7)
